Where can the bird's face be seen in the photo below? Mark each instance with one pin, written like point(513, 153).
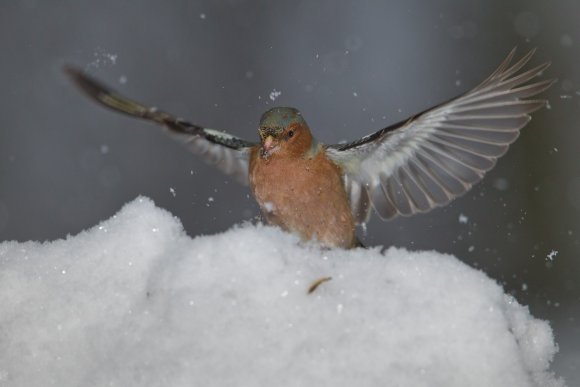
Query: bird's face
point(283, 131)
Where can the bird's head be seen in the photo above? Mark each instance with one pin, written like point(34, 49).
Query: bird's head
point(283, 131)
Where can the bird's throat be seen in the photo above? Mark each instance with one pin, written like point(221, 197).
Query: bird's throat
point(266, 153)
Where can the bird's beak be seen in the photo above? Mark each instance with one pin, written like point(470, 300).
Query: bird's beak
point(269, 143)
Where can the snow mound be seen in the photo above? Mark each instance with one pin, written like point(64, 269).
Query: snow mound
point(136, 302)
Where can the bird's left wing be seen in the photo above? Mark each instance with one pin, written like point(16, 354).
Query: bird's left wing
point(436, 156)
point(229, 153)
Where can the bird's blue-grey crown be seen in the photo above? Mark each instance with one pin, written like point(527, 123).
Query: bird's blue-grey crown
point(276, 119)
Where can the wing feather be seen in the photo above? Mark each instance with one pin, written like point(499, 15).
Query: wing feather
point(228, 153)
point(437, 155)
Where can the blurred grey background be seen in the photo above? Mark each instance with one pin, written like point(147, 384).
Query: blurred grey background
point(350, 67)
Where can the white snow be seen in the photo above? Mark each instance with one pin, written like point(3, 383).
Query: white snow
point(103, 58)
point(274, 94)
point(269, 206)
point(134, 301)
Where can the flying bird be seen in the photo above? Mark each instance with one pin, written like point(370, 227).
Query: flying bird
point(321, 192)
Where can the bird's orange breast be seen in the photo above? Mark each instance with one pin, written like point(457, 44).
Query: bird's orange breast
point(305, 196)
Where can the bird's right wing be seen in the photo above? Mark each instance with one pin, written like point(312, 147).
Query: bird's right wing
point(437, 155)
point(229, 153)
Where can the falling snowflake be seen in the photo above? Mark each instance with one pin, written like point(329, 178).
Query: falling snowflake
point(102, 58)
point(275, 94)
point(111, 57)
point(552, 255)
point(463, 219)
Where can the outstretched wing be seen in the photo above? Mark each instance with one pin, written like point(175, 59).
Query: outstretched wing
point(230, 154)
point(437, 155)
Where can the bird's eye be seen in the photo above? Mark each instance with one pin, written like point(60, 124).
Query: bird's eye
point(290, 133)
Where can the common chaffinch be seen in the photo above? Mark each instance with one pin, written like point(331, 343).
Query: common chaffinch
point(322, 192)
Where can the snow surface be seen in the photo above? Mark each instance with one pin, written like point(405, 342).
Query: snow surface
point(137, 302)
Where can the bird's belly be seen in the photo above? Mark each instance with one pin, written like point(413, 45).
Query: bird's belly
point(306, 197)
